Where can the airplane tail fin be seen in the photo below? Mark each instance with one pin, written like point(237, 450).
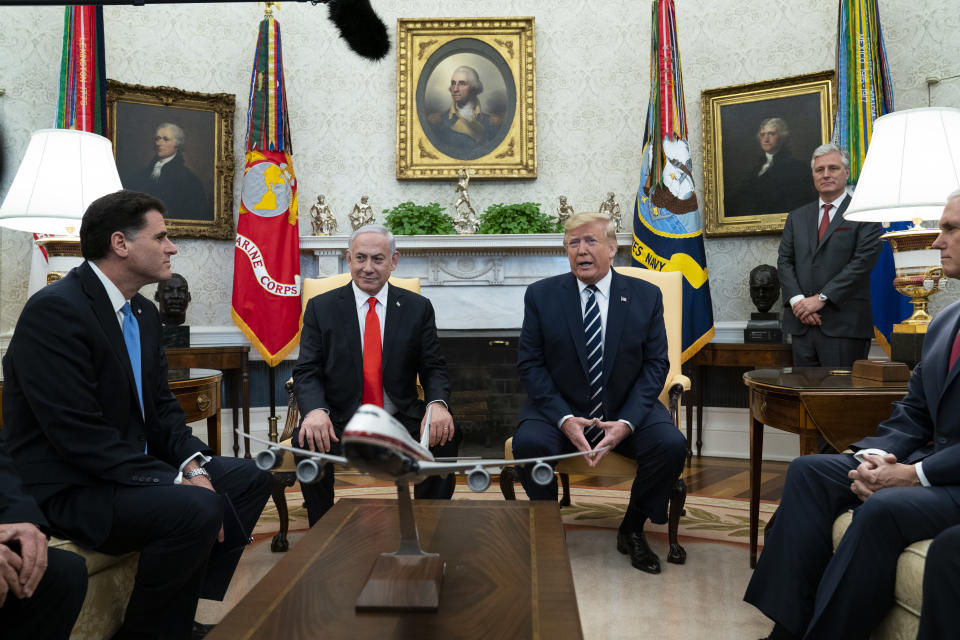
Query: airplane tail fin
point(425, 436)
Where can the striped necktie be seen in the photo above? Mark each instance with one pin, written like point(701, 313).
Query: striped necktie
point(593, 335)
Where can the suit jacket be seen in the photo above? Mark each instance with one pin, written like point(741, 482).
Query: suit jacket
point(329, 371)
point(552, 357)
point(925, 425)
point(178, 188)
point(70, 409)
point(839, 267)
point(15, 505)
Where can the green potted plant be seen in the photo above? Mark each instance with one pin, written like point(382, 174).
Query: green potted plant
point(522, 217)
point(410, 219)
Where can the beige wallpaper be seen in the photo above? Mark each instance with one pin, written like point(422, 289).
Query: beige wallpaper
point(592, 88)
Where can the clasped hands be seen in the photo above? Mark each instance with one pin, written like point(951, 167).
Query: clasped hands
point(880, 472)
point(614, 432)
point(20, 573)
point(807, 310)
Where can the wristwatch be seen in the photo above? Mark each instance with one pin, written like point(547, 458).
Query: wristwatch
point(199, 471)
point(822, 298)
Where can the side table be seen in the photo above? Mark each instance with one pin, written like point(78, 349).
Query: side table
point(233, 362)
point(728, 354)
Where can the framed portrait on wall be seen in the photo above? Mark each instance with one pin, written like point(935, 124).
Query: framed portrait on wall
point(466, 97)
point(757, 142)
point(177, 146)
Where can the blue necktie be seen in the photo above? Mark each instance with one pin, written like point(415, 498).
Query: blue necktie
point(593, 334)
point(131, 337)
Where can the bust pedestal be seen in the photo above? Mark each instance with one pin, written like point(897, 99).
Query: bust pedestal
point(763, 328)
point(175, 336)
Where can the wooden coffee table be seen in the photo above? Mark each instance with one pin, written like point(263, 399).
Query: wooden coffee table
point(507, 575)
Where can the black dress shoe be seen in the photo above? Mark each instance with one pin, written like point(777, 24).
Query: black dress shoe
point(200, 630)
point(641, 556)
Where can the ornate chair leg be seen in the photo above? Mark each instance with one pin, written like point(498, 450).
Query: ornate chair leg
point(507, 478)
point(280, 482)
point(565, 481)
point(678, 496)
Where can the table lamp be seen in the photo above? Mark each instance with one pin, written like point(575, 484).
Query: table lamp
point(912, 164)
point(61, 173)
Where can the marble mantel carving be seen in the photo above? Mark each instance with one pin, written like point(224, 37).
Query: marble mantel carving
point(476, 282)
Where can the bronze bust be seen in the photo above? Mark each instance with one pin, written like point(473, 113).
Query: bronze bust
point(173, 296)
point(764, 287)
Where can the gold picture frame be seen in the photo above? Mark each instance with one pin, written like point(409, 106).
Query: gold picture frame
point(500, 141)
point(196, 183)
point(747, 189)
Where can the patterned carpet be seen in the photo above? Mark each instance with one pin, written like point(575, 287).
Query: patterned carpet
point(714, 519)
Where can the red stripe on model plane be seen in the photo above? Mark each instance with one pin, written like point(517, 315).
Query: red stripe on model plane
point(380, 438)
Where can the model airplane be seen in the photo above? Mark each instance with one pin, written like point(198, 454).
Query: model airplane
point(375, 442)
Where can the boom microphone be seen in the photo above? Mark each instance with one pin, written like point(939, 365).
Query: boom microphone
point(361, 27)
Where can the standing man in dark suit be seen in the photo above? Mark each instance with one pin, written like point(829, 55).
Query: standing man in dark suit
point(903, 483)
point(41, 590)
point(100, 440)
point(825, 264)
point(366, 343)
point(593, 360)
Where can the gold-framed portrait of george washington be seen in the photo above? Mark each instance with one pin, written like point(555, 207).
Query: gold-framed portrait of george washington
point(177, 146)
point(466, 98)
point(758, 139)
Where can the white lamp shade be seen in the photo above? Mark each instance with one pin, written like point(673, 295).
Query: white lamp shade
point(62, 172)
point(912, 165)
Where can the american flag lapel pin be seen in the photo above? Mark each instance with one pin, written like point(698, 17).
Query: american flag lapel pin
point(623, 298)
point(398, 303)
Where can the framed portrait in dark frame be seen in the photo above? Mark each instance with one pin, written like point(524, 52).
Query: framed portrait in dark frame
point(758, 139)
point(459, 89)
point(177, 146)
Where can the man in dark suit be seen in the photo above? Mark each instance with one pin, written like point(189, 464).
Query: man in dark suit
point(100, 440)
point(825, 264)
point(941, 587)
point(41, 590)
point(366, 343)
point(599, 390)
point(808, 590)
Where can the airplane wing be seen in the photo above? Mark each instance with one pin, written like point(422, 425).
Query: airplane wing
point(323, 457)
point(442, 468)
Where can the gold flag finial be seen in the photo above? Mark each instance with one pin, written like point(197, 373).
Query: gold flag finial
point(268, 8)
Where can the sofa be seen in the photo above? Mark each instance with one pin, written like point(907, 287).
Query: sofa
point(902, 621)
point(109, 584)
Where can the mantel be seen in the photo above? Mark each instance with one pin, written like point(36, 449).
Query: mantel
point(476, 282)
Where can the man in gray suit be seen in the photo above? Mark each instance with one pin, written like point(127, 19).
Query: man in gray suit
point(825, 264)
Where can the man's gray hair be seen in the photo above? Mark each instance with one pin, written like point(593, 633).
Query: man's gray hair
point(374, 228)
point(779, 123)
point(830, 147)
point(475, 85)
point(953, 194)
point(177, 132)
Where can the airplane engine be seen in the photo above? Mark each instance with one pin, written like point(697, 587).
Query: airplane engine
point(542, 473)
point(478, 479)
point(308, 471)
point(269, 459)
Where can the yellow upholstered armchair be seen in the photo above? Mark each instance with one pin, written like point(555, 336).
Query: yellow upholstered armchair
point(614, 465)
point(285, 474)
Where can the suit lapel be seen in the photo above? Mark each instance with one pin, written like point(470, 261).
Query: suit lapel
point(616, 317)
point(836, 222)
point(570, 309)
point(393, 316)
point(346, 310)
point(103, 310)
point(939, 355)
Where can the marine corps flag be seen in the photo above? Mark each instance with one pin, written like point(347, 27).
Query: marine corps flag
point(864, 93)
point(667, 226)
point(266, 267)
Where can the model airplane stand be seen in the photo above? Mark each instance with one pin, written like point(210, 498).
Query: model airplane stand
point(408, 579)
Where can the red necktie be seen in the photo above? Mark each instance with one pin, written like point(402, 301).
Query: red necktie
point(955, 352)
point(372, 358)
point(825, 222)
